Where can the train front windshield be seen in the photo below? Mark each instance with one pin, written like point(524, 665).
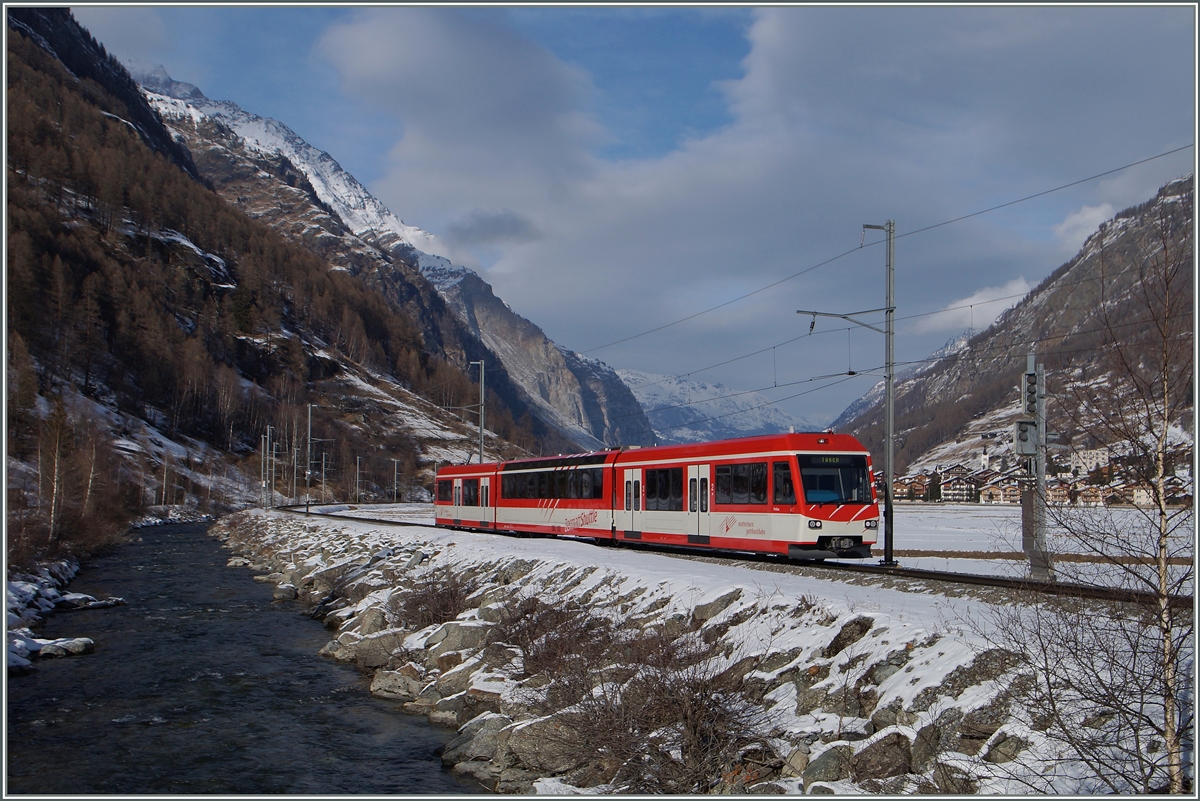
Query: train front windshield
point(835, 478)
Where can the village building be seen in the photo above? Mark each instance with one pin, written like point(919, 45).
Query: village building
point(1084, 462)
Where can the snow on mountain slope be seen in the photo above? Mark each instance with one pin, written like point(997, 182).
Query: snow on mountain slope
point(875, 394)
point(697, 411)
point(361, 211)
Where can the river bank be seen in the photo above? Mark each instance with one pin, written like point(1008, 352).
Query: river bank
point(566, 667)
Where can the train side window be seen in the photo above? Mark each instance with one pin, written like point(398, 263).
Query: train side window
point(470, 494)
point(597, 483)
point(628, 495)
point(724, 483)
point(758, 482)
point(785, 490)
point(651, 491)
point(457, 496)
point(704, 495)
point(741, 483)
point(637, 496)
point(445, 491)
point(675, 499)
point(692, 499)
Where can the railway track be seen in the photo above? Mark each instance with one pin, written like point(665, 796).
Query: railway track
point(1016, 585)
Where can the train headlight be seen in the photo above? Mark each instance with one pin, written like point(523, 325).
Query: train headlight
point(872, 524)
point(814, 523)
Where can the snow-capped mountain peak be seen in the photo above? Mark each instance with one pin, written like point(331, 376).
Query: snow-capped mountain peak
point(681, 410)
point(359, 210)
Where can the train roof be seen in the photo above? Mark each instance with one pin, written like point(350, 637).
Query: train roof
point(805, 441)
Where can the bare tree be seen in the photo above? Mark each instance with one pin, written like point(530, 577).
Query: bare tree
point(1112, 682)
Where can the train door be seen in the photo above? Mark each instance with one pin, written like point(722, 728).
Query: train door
point(486, 515)
point(697, 503)
point(457, 508)
point(630, 510)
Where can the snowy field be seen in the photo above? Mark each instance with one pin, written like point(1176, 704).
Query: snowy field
point(975, 539)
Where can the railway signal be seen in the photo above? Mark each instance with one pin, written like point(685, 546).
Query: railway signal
point(1029, 439)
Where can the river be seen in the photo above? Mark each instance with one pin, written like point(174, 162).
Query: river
point(202, 683)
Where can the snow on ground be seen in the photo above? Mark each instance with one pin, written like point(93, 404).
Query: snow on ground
point(977, 539)
point(924, 647)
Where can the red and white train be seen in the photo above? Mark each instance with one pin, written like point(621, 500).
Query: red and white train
point(805, 496)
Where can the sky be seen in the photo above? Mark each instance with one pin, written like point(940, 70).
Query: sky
point(662, 188)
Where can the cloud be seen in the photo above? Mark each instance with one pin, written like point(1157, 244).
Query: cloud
point(841, 116)
point(490, 118)
point(978, 311)
point(1081, 224)
point(491, 228)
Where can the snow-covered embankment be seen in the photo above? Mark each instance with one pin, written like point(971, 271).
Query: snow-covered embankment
point(836, 685)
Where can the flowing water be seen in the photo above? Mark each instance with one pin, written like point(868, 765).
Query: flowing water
point(203, 684)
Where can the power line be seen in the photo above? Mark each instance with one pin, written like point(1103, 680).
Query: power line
point(977, 355)
point(910, 233)
point(826, 331)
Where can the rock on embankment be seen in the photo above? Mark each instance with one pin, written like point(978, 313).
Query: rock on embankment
point(561, 675)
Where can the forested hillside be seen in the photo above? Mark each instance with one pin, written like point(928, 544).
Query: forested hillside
point(155, 331)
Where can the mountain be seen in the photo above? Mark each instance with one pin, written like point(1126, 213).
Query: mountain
point(334, 215)
point(55, 31)
point(697, 411)
point(157, 333)
point(965, 398)
point(874, 395)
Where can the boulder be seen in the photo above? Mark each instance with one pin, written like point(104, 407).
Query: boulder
point(831, 765)
point(459, 678)
point(77, 646)
point(477, 740)
point(851, 633)
point(886, 757)
point(934, 738)
point(374, 650)
point(371, 621)
point(542, 747)
point(457, 635)
point(396, 685)
point(516, 781)
point(796, 762)
point(954, 781)
point(711, 609)
point(979, 725)
point(285, 592)
point(1005, 749)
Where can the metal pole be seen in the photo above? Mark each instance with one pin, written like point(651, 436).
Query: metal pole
point(1040, 568)
point(889, 385)
point(395, 479)
point(308, 466)
point(357, 468)
point(270, 488)
point(481, 408)
point(889, 431)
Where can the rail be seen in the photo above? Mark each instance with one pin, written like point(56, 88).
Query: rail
point(1020, 585)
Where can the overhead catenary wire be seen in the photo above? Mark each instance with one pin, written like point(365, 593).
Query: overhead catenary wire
point(999, 352)
point(925, 229)
point(828, 331)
